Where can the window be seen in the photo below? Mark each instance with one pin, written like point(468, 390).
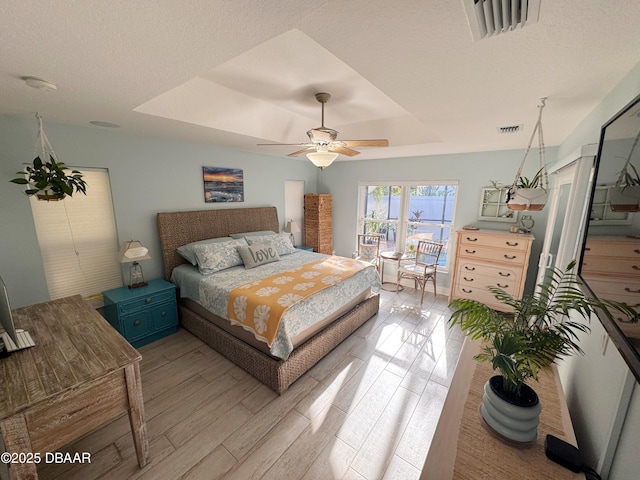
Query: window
point(405, 213)
point(78, 240)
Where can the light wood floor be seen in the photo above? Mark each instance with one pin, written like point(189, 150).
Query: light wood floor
point(366, 411)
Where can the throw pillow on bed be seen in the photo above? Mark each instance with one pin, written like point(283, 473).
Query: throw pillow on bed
point(258, 254)
point(281, 241)
point(187, 251)
point(213, 257)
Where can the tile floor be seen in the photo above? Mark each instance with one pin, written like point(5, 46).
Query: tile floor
point(368, 410)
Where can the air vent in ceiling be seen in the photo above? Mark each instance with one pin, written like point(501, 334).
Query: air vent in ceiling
point(510, 129)
point(493, 17)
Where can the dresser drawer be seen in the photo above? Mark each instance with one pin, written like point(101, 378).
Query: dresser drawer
point(479, 294)
point(483, 277)
point(499, 273)
point(611, 265)
point(629, 250)
point(503, 242)
point(514, 257)
point(147, 301)
point(618, 290)
point(164, 316)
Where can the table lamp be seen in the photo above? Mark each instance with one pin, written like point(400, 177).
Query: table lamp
point(131, 252)
point(291, 228)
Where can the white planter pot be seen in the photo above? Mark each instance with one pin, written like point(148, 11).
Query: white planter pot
point(627, 200)
point(532, 199)
point(514, 423)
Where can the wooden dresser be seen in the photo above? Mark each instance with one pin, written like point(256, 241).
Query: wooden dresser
point(490, 258)
point(318, 230)
point(611, 267)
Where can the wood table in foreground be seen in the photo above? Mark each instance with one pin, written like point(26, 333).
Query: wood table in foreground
point(462, 448)
point(80, 375)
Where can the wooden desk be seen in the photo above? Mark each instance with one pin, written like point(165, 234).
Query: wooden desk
point(462, 448)
point(80, 375)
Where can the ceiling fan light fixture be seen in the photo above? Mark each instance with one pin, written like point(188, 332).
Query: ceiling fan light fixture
point(322, 159)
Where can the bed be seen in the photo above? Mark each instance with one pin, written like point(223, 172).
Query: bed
point(307, 347)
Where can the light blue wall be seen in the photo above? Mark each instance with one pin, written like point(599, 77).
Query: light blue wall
point(148, 175)
point(472, 170)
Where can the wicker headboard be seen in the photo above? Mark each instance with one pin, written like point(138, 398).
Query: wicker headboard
point(179, 228)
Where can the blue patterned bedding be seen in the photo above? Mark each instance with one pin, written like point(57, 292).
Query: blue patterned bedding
point(212, 291)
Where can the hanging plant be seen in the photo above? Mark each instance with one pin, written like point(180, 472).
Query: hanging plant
point(49, 181)
point(525, 194)
point(46, 177)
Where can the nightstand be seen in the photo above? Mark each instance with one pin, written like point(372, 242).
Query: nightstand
point(304, 247)
point(142, 315)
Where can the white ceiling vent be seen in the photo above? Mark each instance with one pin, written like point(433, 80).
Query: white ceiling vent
point(493, 17)
point(510, 129)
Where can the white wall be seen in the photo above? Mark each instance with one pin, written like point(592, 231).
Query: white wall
point(148, 175)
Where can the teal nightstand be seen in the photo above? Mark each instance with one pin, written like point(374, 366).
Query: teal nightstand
point(304, 247)
point(142, 315)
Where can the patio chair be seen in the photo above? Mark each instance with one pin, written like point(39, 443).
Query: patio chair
point(369, 248)
point(423, 268)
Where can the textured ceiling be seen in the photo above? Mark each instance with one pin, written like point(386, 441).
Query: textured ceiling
point(237, 73)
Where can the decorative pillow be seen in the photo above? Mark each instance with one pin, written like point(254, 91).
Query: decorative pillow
point(281, 241)
point(259, 233)
point(213, 257)
point(187, 250)
point(258, 254)
point(368, 252)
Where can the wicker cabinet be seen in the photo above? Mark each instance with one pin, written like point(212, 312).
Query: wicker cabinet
point(490, 258)
point(318, 230)
point(611, 267)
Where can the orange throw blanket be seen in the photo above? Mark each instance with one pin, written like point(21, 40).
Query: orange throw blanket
point(259, 306)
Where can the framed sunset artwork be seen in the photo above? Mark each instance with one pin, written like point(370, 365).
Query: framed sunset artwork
point(223, 184)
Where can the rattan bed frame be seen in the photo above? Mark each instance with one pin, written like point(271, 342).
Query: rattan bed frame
point(180, 228)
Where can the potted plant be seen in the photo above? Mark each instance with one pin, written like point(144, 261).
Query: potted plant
point(49, 181)
point(625, 194)
point(522, 343)
point(528, 194)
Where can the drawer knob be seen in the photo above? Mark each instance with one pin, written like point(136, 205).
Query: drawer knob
point(510, 257)
point(627, 289)
point(635, 267)
point(468, 279)
point(471, 269)
point(467, 290)
point(469, 239)
point(148, 299)
point(504, 274)
point(136, 323)
point(469, 251)
point(515, 244)
point(636, 251)
point(503, 286)
point(164, 313)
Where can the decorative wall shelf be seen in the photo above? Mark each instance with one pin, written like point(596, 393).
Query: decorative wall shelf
point(493, 206)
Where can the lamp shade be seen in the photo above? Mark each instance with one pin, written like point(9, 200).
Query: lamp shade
point(133, 251)
point(322, 159)
point(292, 227)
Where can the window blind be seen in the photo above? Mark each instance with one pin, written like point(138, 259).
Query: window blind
point(78, 239)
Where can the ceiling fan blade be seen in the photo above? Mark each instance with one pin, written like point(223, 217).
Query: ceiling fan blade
point(344, 151)
point(285, 144)
point(308, 149)
point(379, 142)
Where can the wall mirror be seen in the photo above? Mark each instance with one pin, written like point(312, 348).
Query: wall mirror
point(610, 260)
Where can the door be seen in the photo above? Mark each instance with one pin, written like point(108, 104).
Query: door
point(568, 202)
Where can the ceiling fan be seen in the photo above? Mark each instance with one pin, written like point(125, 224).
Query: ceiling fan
point(323, 147)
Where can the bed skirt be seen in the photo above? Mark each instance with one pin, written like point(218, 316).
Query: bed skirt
point(279, 374)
